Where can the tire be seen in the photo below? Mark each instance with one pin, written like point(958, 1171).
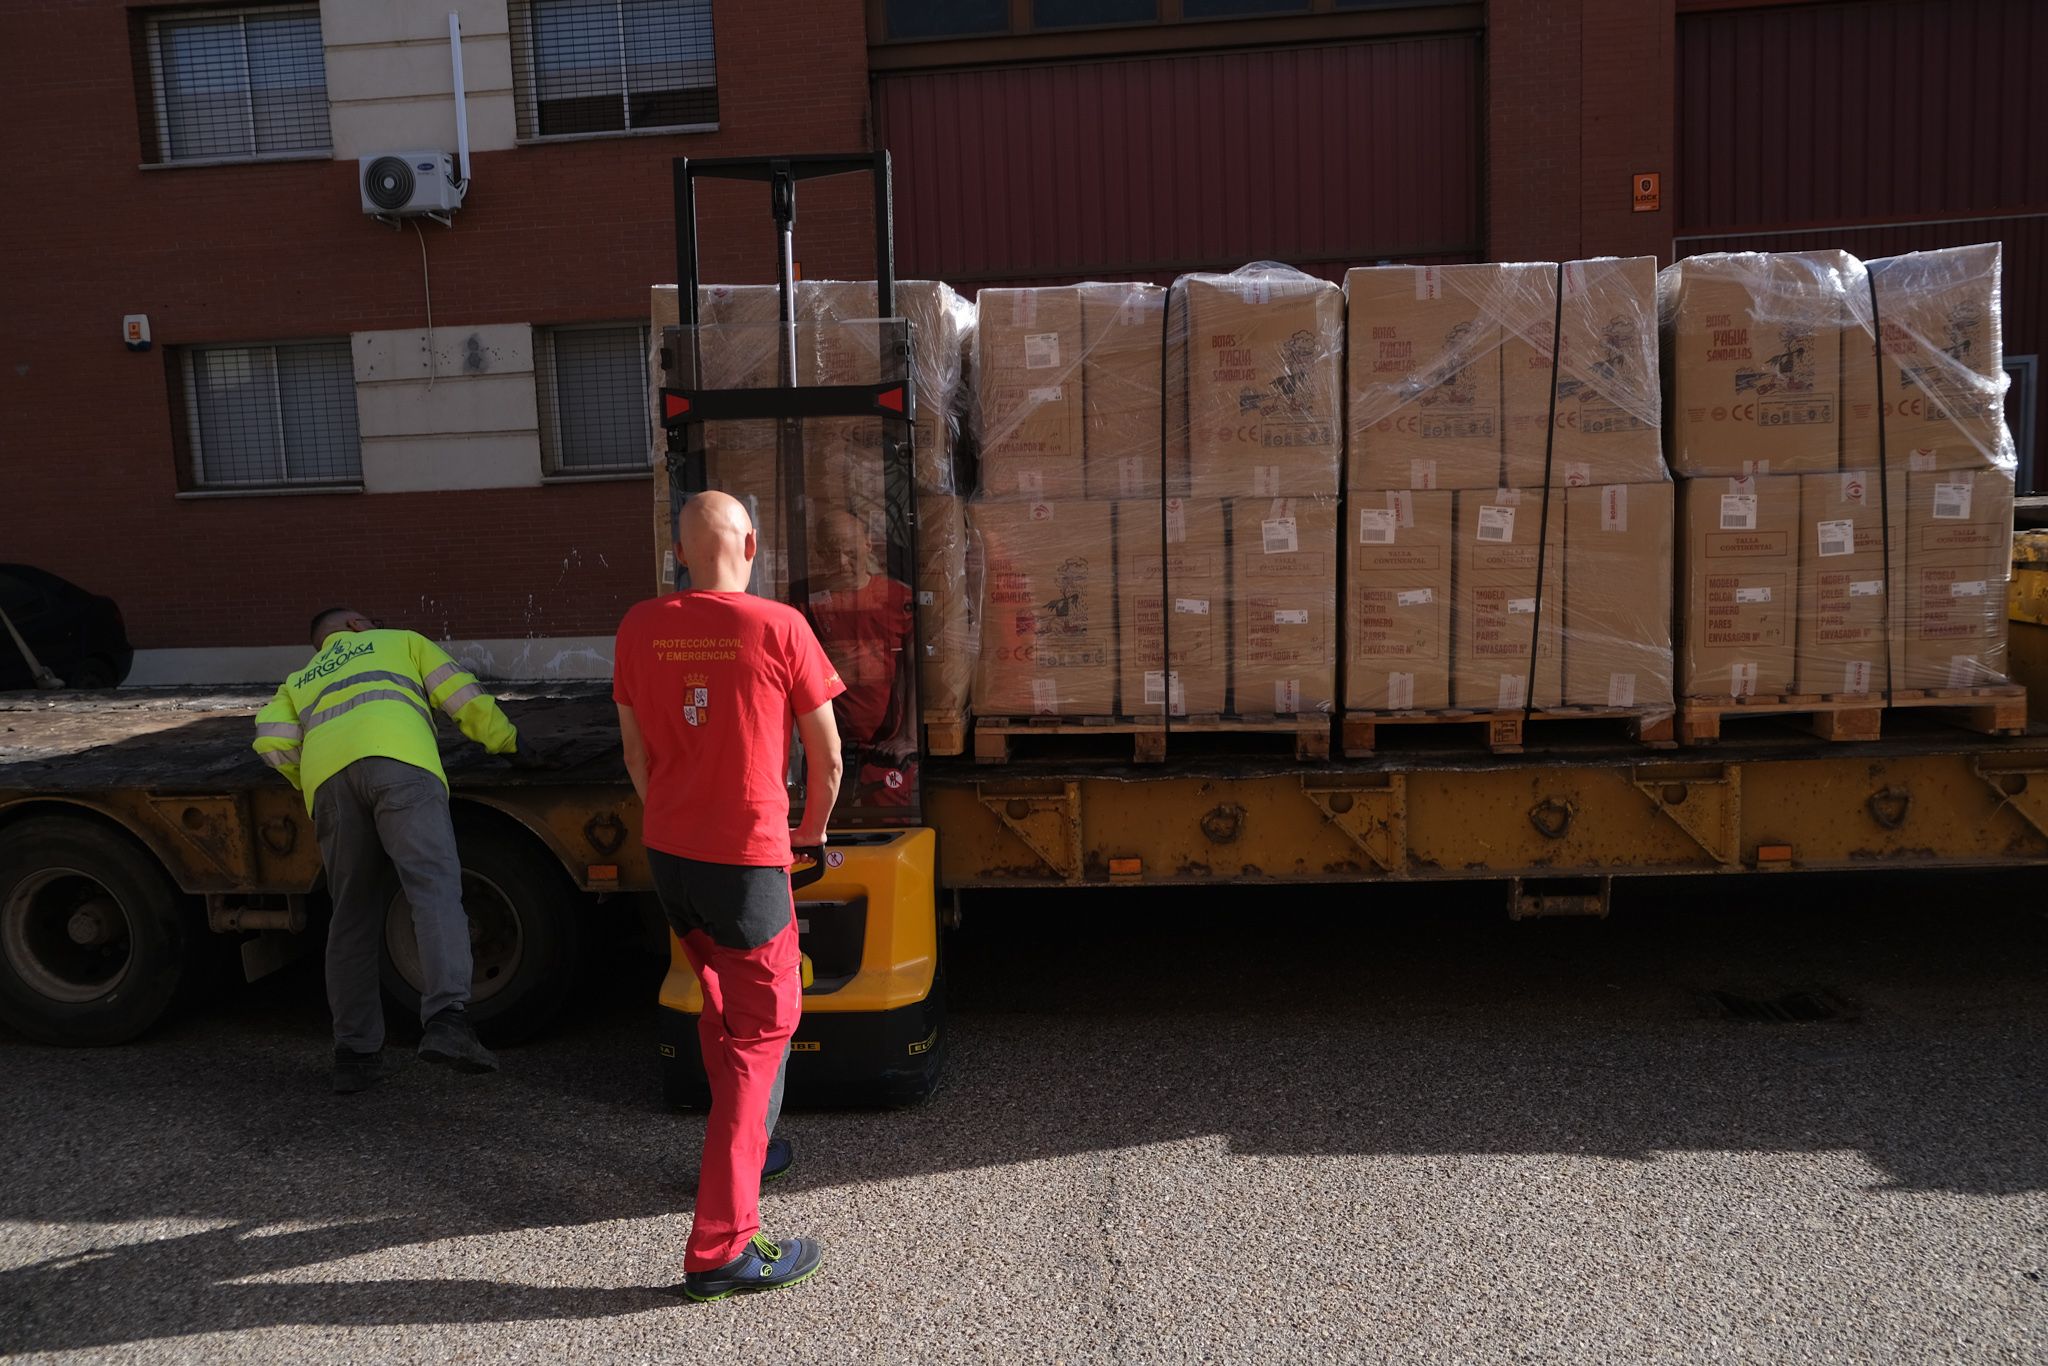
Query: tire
point(92, 674)
point(95, 940)
point(525, 934)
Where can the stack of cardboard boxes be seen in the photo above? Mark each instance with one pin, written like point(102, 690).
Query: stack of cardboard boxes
point(1258, 354)
point(1465, 382)
point(1160, 535)
point(838, 341)
point(1049, 581)
point(1820, 560)
point(1155, 529)
point(1938, 353)
point(845, 465)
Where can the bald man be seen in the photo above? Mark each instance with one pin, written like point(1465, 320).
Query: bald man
point(709, 682)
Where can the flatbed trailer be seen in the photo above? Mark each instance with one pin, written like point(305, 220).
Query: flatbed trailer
point(133, 824)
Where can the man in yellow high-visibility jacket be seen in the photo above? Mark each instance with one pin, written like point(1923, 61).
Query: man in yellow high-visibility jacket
point(353, 731)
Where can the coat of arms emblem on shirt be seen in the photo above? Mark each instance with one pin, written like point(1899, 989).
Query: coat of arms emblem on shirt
point(696, 700)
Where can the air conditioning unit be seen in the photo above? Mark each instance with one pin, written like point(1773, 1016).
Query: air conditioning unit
point(402, 184)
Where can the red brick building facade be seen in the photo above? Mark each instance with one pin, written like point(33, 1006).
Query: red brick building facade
point(1575, 99)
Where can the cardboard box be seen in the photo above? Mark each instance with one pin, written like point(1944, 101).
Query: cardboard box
point(1423, 369)
point(1609, 410)
point(1495, 621)
point(1264, 377)
point(841, 350)
point(1738, 566)
point(1843, 605)
point(1028, 394)
point(1398, 596)
point(1122, 333)
point(947, 611)
point(1942, 376)
point(1048, 630)
point(1187, 618)
point(737, 335)
point(1753, 345)
point(1283, 605)
point(1619, 562)
point(1958, 558)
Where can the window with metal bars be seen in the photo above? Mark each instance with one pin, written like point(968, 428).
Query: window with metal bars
point(233, 85)
point(593, 399)
point(583, 67)
point(270, 417)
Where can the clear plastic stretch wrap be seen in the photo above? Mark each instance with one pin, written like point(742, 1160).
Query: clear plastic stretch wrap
point(1159, 555)
point(1255, 373)
point(1460, 592)
point(837, 342)
point(844, 476)
point(1934, 339)
point(1845, 525)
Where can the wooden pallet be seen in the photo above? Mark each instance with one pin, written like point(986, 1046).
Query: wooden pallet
point(1147, 740)
point(1503, 729)
point(945, 732)
point(1652, 727)
point(1311, 731)
point(2000, 710)
point(1143, 742)
point(1841, 717)
point(1506, 730)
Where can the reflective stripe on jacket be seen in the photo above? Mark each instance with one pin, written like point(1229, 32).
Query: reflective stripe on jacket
point(372, 694)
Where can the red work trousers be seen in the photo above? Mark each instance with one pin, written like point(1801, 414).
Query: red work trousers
point(752, 999)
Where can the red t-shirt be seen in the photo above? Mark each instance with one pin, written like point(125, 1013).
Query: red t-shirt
point(716, 681)
point(865, 632)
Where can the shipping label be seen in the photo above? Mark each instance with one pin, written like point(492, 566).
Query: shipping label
point(1738, 512)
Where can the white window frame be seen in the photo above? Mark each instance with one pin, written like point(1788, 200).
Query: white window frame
point(153, 41)
point(526, 76)
point(195, 483)
point(551, 467)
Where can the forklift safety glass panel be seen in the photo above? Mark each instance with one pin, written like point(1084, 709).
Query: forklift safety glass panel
point(824, 467)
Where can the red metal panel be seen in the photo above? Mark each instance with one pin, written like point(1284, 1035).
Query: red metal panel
point(1322, 157)
point(1859, 111)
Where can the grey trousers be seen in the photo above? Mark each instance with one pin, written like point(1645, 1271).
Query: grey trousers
point(374, 816)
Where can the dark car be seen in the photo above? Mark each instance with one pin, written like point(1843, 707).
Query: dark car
point(76, 635)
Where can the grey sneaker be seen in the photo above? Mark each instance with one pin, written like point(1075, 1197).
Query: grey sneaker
point(354, 1072)
point(451, 1041)
point(763, 1266)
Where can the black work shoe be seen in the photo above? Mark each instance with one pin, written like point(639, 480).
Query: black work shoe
point(763, 1266)
point(451, 1041)
point(355, 1071)
point(778, 1160)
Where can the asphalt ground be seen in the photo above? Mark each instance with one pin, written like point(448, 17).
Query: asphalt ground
point(1339, 1126)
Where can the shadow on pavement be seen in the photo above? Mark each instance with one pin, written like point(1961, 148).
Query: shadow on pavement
point(1414, 1021)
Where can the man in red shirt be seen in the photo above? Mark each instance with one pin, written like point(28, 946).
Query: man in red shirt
point(709, 682)
point(864, 620)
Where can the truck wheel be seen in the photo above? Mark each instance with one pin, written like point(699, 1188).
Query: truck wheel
point(525, 937)
point(93, 940)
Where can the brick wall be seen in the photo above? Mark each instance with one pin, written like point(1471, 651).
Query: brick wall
point(1579, 100)
point(557, 233)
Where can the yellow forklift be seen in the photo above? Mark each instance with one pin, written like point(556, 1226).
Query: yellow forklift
point(867, 914)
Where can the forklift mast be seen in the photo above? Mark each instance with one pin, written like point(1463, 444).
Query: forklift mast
point(866, 621)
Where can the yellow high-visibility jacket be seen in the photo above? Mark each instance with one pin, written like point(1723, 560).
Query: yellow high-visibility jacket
point(366, 694)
